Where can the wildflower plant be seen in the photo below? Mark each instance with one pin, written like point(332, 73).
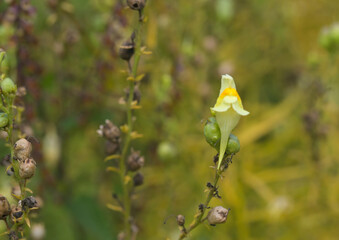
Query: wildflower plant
point(19, 163)
point(127, 161)
point(226, 115)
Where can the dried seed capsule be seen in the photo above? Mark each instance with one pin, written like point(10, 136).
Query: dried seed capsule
point(109, 131)
point(3, 135)
point(136, 4)
point(13, 236)
point(17, 214)
point(135, 161)
point(8, 86)
point(27, 168)
point(111, 147)
point(3, 120)
point(5, 208)
point(126, 50)
point(29, 202)
point(22, 149)
point(181, 220)
point(217, 215)
point(138, 179)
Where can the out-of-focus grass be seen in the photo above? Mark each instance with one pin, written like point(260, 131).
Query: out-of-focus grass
point(274, 189)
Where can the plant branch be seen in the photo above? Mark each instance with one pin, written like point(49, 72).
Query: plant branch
point(123, 171)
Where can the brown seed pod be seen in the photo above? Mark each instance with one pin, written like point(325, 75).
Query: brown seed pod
point(22, 149)
point(109, 131)
point(136, 4)
point(5, 208)
point(27, 168)
point(17, 214)
point(135, 161)
point(126, 50)
point(138, 179)
point(217, 215)
point(181, 220)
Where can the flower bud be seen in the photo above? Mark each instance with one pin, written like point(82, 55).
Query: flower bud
point(181, 220)
point(126, 50)
point(135, 161)
point(3, 120)
point(22, 149)
point(212, 133)
point(109, 131)
point(17, 214)
point(217, 215)
point(138, 179)
point(27, 168)
point(8, 86)
point(136, 4)
point(5, 208)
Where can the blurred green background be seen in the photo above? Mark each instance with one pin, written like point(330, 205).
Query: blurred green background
point(283, 184)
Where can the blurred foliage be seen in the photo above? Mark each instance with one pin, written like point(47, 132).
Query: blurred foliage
point(283, 184)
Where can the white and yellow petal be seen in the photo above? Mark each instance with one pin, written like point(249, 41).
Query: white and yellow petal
point(228, 109)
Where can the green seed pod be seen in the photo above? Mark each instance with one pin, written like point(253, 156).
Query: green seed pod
point(233, 145)
point(212, 133)
point(8, 86)
point(213, 136)
point(3, 120)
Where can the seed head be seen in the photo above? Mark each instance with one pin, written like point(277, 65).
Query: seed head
point(136, 4)
point(135, 161)
point(217, 215)
point(126, 50)
point(181, 220)
point(22, 149)
point(17, 214)
point(5, 208)
point(109, 131)
point(29, 202)
point(138, 179)
point(27, 168)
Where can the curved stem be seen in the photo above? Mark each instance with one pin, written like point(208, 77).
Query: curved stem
point(123, 171)
point(199, 217)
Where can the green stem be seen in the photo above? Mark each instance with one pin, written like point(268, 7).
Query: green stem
point(199, 217)
point(123, 171)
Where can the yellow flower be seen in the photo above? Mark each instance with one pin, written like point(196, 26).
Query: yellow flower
point(228, 110)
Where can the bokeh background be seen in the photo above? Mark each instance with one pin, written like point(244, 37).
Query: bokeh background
point(283, 184)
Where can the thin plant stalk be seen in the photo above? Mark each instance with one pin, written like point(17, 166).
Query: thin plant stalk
point(123, 171)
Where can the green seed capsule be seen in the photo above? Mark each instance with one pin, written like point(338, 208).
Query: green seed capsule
point(212, 133)
point(8, 86)
point(3, 120)
point(213, 136)
point(233, 145)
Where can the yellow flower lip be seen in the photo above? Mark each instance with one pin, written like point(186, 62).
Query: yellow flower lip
point(228, 92)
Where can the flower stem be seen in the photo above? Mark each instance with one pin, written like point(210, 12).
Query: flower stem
point(198, 219)
point(123, 171)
